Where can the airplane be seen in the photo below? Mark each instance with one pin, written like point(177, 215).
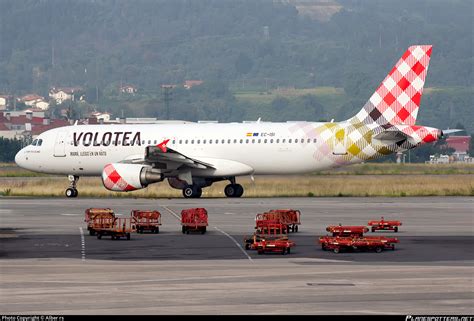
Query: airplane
point(192, 156)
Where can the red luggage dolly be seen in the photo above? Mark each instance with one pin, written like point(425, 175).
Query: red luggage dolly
point(194, 219)
point(115, 227)
point(97, 213)
point(270, 239)
point(291, 218)
point(371, 243)
point(146, 220)
point(353, 231)
point(384, 225)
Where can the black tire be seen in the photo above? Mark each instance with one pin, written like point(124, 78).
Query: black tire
point(378, 249)
point(336, 250)
point(183, 229)
point(112, 237)
point(296, 228)
point(239, 190)
point(157, 230)
point(99, 236)
point(373, 229)
point(187, 231)
point(91, 232)
point(229, 190)
point(260, 252)
point(396, 229)
point(188, 192)
point(71, 192)
point(288, 250)
point(128, 236)
point(247, 246)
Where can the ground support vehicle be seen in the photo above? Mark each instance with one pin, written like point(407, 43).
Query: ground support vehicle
point(270, 237)
point(194, 220)
point(371, 243)
point(289, 217)
point(382, 224)
point(146, 221)
point(353, 231)
point(97, 214)
point(116, 227)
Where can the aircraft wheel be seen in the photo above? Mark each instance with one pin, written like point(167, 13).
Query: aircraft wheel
point(192, 191)
point(71, 192)
point(234, 190)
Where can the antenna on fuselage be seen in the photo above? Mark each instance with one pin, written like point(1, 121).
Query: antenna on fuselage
point(75, 123)
point(258, 120)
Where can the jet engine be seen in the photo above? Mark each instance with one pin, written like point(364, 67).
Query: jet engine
point(129, 177)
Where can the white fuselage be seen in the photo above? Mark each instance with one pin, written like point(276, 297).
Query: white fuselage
point(262, 148)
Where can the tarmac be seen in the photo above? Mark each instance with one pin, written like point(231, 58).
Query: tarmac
point(50, 264)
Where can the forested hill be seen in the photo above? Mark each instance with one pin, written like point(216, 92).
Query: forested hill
point(287, 43)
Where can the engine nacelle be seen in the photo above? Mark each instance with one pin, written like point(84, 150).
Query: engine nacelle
point(129, 177)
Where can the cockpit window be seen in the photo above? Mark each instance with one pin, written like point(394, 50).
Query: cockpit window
point(40, 141)
point(34, 142)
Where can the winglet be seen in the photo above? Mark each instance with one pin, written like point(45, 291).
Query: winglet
point(162, 145)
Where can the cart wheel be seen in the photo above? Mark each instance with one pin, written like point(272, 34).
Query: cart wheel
point(378, 249)
point(99, 236)
point(183, 229)
point(187, 231)
point(112, 237)
point(128, 236)
point(283, 252)
point(393, 247)
point(288, 250)
point(336, 250)
point(260, 252)
point(91, 232)
point(247, 246)
point(373, 230)
point(396, 229)
point(323, 247)
point(157, 230)
point(296, 228)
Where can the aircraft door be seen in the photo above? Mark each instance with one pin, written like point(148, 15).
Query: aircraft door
point(340, 141)
point(60, 144)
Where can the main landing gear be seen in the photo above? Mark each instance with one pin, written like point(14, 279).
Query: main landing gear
point(192, 191)
point(233, 189)
point(71, 191)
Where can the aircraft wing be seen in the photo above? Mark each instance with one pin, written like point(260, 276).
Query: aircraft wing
point(166, 158)
point(155, 154)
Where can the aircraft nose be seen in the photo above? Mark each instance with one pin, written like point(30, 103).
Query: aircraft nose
point(19, 158)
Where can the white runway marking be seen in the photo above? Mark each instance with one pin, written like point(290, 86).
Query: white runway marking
point(172, 212)
point(69, 214)
point(83, 245)
point(233, 240)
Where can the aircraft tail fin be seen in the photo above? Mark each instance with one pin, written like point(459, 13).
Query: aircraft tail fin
point(397, 99)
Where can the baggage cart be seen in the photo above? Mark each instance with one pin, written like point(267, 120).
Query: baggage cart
point(289, 217)
point(116, 227)
point(145, 220)
point(340, 230)
point(194, 220)
point(92, 214)
point(382, 224)
point(372, 243)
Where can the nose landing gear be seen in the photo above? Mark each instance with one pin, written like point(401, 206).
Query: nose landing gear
point(71, 191)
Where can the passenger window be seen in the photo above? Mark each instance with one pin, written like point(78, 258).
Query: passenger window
point(228, 141)
point(155, 142)
point(246, 141)
point(149, 142)
point(40, 142)
point(235, 141)
point(223, 141)
point(217, 141)
point(296, 141)
point(241, 141)
point(174, 142)
point(264, 141)
point(314, 140)
point(289, 140)
point(271, 141)
point(198, 141)
point(278, 140)
point(204, 141)
point(143, 142)
point(259, 141)
point(186, 141)
point(253, 141)
point(192, 141)
point(34, 142)
point(283, 140)
point(180, 141)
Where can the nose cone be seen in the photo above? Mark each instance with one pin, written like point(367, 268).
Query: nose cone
point(20, 158)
